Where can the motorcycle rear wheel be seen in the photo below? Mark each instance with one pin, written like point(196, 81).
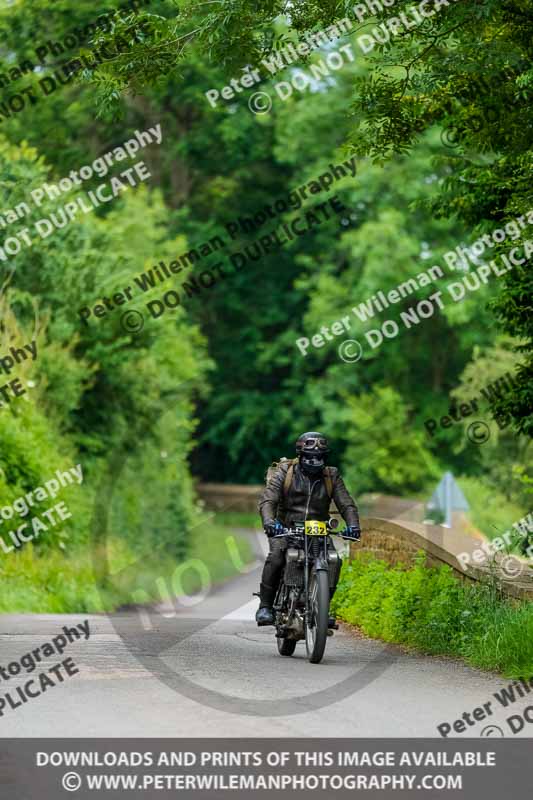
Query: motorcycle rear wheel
point(316, 628)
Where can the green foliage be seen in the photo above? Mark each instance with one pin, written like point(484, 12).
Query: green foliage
point(51, 584)
point(95, 388)
point(491, 511)
point(237, 519)
point(466, 67)
point(384, 452)
point(430, 609)
point(490, 373)
point(31, 452)
point(514, 309)
point(32, 449)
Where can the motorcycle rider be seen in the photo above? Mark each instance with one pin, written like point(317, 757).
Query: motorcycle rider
point(290, 499)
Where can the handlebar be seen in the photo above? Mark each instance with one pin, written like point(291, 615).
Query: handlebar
point(299, 531)
point(289, 532)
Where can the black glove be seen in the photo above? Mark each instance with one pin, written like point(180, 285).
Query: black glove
point(352, 532)
point(273, 528)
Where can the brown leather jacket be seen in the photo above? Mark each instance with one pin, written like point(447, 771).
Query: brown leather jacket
point(306, 498)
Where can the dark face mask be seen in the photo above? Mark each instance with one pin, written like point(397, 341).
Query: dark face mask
point(312, 464)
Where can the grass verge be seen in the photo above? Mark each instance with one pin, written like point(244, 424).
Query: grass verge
point(490, 512)
point(59, 583)
point(430, 609)
point(239, 519)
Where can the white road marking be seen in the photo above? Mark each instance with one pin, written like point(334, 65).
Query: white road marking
point(245, 613)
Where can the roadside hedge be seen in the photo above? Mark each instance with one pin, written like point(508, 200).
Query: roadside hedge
point(430, 609)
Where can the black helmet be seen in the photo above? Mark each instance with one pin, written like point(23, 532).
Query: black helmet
point(311, 442)
point(312, 448)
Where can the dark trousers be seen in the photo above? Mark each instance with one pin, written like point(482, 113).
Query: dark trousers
point(273, 570)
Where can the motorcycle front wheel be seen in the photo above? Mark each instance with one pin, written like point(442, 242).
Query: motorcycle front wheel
point(286, 647)
point(316, 624)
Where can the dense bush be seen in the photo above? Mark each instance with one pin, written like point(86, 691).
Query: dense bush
point(49, 583)
point(95, 392)
point(430, 609)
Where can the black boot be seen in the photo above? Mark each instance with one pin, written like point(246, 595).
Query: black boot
point(265, 613)
point(264, 616)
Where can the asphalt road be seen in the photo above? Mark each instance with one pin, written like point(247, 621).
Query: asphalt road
point(207, 670)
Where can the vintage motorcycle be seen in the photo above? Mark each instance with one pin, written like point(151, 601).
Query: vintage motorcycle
point(301, 607)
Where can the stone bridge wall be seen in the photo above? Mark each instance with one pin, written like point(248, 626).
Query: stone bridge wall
point(398, 542)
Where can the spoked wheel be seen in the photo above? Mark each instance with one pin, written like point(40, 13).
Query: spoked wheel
point(286, 647)
point(316, 626)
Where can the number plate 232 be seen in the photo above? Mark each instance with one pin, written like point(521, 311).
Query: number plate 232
point(314, 527)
